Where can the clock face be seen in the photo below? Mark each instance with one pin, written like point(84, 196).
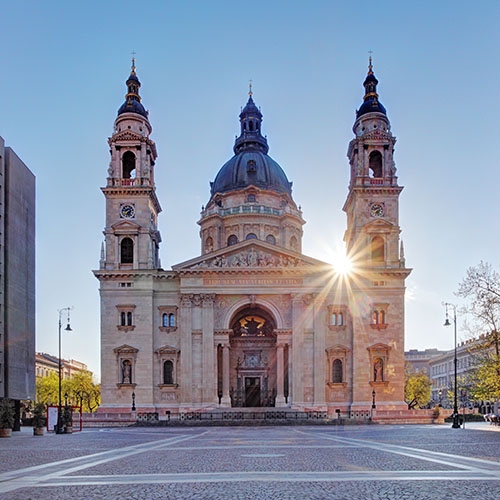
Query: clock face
point(377, 210)
point(127, 211)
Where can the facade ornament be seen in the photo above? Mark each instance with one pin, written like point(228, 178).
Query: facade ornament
point(186, 300)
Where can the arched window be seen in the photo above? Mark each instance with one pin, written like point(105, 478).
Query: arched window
point(377, 248)
point(271, 239)
point(375, 164)
point(129, 319)
point(168, 372)
point(337, 372)
point(123, 319)
point(232, 240)
point(251, 236)
point(128, 164)
point(127, 251)
point(171, 319)
point(164, 319)
point(251, 198)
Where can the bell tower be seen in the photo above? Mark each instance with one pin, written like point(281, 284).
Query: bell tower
point(372, 205)
point(131, 234)
point(374, 247)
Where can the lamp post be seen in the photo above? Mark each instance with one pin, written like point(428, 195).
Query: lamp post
point(447, 305)
point(59, 427)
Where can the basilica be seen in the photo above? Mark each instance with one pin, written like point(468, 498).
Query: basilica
point(251, 321)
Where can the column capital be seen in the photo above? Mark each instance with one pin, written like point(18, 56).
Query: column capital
point(207, 299)
point(186, 300)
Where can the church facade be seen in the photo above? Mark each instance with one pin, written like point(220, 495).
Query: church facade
point(251, 321)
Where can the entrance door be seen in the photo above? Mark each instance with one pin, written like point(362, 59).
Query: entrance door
point(252, 392)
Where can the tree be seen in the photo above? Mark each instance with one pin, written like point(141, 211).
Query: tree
point(84, 390)
point(418, 388)
point(80, 388)
point(47, 389)
point(481, 289)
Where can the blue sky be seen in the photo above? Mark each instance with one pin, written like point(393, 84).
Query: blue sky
point(64, 66)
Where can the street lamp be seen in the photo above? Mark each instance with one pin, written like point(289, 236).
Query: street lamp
point(447, 305)
point(59, 427)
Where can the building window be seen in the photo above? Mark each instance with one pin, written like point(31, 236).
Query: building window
point(232, 240)
point(168, 372)
point(127, 251)
point(271, 239)
point(251, 198)
point(126, 317)
point(168, 357)
point(128, 165)
point(377, 249)
point(337, 317)
point(375, 164)
point(168, 315)
point(251, 236)
point(337, 371)
point(168, 320)
point(338, 357)
point(379, 316)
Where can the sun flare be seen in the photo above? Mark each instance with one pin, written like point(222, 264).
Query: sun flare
point(342, 264)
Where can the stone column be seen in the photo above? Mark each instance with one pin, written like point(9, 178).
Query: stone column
point(296, 383)
point(209, 394)
point(280, 393)
point(185, 324)
point(319, 315)
point(226, 400)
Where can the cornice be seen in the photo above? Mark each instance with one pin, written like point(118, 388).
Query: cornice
point(120, 275)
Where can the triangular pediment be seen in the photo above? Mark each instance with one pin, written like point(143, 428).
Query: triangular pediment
point(379, 347)
point(378, 225)
point(167, 349)
point(250, 254)
point(337, 348)
point(125, 227)
point(126, 349)
point(127, 135)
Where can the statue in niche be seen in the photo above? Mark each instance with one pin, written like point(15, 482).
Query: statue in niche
point(378, 370)
point(252, 327)
point(126, 372)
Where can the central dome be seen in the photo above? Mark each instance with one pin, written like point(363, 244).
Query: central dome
point(251, 165)
point(251, 168)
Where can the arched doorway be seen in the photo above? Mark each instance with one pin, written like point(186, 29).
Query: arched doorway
point(253, 358)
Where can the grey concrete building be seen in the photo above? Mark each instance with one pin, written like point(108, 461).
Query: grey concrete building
point(17, 277)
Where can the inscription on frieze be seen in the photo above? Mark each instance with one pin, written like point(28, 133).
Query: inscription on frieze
point(252, 282)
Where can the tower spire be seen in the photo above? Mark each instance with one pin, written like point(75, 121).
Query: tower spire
point(250, 137)
point(132, 102)
point(371, 103)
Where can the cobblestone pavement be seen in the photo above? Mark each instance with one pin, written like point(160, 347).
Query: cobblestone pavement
point(317, 462)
